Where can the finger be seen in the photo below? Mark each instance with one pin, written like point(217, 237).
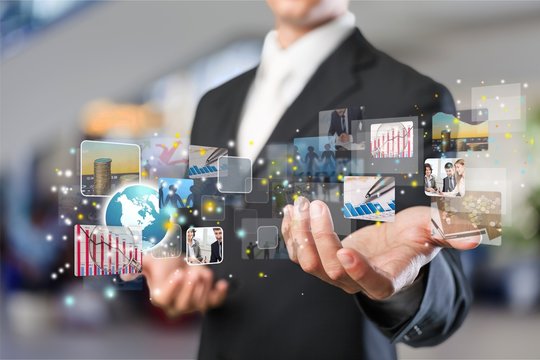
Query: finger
point(163, 294)
point(461, 243)
point(286, 231)
point(307, 255)
point(185, 296)
point(326, 241)
point(129, 277)
point(468, 243)
point(198, 301)
point(217, 295)
point(368, 279)
point(201, 296)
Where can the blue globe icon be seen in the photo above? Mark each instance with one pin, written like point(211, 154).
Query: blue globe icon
point(138, 205)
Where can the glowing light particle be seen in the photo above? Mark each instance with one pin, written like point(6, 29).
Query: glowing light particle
point(109, 293)
point(69, 300)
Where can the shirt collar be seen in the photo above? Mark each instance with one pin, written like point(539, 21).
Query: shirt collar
point(306, 54)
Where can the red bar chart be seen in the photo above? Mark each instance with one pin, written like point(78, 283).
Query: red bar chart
point(107, 250)
point(392, 140)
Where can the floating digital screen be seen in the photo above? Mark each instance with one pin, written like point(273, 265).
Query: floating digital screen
point(234, 175)
point(336, 127)
point(506, 107)
point(369, 198)
point(314, 158)
point(204, 161)
point(163, 157)
point(175, 194)
point(468, 131)
point(444, 177)
point(267, 231)
point(107, 250)
point(387, 146)
point(204, 245)
point(267, 237)
point(475, 216)
point(392, 140)
point(107, 167)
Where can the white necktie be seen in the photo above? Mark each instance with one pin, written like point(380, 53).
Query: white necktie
point(267, 108)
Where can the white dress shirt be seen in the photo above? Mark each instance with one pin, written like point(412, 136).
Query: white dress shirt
point(281, 77)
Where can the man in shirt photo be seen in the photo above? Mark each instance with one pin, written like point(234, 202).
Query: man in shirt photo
point(217, 246)
point(333, 299)
point(449, 182)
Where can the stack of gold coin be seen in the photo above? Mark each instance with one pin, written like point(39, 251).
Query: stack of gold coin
point(102, 176)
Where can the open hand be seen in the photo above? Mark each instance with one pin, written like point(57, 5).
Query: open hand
point(180, 289)
point(378, 260)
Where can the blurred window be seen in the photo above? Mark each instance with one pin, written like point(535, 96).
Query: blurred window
point(21, 19)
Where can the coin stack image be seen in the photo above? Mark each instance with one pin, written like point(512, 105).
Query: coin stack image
point(102, 176)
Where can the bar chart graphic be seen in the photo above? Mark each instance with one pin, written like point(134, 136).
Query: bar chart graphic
point(107, 250)
point(203, 161)
point(392, 140)
point(195, 171)
point(369, 198)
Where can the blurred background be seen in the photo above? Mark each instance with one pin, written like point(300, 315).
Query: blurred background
point(91, 69)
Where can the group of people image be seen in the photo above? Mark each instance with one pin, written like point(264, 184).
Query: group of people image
point(452, 185)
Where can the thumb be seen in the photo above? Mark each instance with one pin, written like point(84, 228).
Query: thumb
point(373, 283)
point(129, 277)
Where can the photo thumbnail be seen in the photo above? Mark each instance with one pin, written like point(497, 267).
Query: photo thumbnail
point(203, 161)
point(107, 167)
point(369, 198)
point(444, 177)
point(468, 131)
point(107, 250)
point(175, 194)
point(204, 245)
point(473, 217)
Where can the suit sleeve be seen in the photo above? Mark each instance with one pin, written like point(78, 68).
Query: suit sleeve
point(436, 304)
point(332, 130)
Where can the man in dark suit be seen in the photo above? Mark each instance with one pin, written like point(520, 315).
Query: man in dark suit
point(381, 285)
point(217, 246)
point(449, 182)
point(341, 123)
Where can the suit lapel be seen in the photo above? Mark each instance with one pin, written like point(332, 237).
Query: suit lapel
point(233, 112)
point(336, 78)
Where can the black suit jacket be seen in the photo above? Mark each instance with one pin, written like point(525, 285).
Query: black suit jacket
point(215, 256)
point(446, 184)
point(336, 127)
point(289, 314)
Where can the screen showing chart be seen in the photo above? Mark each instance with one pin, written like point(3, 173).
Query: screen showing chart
point(392, 140)
point(369, 198)
point(107, 250)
